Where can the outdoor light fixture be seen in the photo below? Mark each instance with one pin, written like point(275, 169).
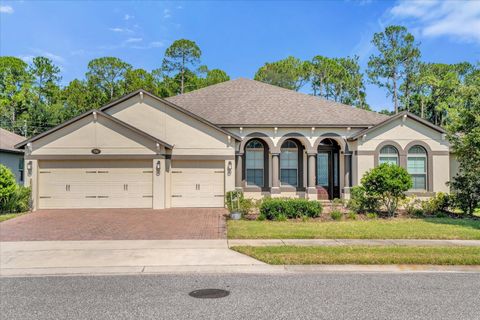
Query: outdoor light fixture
point(29, 168)
point(229, 168)
point(157, 168)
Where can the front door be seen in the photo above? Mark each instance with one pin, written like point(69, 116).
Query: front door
point(328, 173)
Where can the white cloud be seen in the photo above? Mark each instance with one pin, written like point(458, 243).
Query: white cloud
point(128, 17)
point(6, 9)
point(459, 19)
point(130, 40)
point(121, 30)
point(167, 13)
point(150, 45)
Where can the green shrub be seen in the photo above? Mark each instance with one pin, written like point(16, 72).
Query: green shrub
point(372, 215)
point(13, 198)
point(19, 201)
point(352, 215)
point(279, 208)
point(235, 201)
point(336, 215)
point(360, 202)
point(8, 185)
point(388, 183)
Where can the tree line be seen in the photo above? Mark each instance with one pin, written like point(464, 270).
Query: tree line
point(32, 99)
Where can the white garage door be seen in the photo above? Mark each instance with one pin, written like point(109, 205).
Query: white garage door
point(95, 184)
point(197, 183)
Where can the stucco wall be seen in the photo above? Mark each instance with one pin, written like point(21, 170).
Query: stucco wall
point(187, 134)
point(403, 133)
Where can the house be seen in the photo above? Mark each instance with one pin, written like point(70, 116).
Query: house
point(9, 156)
point(142, 151)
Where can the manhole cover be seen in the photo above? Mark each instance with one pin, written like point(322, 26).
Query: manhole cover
point(209, 293)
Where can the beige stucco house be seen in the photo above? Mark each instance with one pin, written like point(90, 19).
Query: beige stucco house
point(142, 151)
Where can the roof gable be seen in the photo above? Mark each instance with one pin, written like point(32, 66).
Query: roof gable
point(402, 114)
point(95, 113)
point(252, 103)
point(172, 105)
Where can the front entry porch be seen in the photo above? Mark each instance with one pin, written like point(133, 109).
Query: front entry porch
point(294, 169)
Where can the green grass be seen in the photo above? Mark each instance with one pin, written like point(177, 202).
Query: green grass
point(432, 228)
point(364, 255)
point(8, 216)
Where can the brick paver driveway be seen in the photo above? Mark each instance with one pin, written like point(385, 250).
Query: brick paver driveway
point(116, 224)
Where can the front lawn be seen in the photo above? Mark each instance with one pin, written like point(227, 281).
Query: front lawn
point(364, 255)
point(429, 228)
point(7, 216)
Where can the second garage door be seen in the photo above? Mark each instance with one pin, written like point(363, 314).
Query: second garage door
point(197, 183)
point(95, 184)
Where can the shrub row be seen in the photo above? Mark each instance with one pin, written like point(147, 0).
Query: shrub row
point(13, 198)
point(287, 208)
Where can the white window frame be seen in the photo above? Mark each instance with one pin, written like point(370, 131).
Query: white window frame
point(388, 155)
point(283, 151)
point(256, 151)
point(424, 156)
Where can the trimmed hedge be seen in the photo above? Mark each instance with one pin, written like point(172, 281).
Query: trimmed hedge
point(287, 208)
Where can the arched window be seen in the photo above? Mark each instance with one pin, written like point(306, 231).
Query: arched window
point(254, 163)
point(289, 163)
point(388, 154)
point(417, 167)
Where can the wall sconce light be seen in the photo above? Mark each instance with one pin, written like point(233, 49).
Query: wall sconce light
point(229, 168)
point(157, 168)
point(29, 168)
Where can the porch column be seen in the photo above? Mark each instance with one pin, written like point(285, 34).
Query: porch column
point(275, 169)
point(238, 171)
point(348, 175)
point(311, 190)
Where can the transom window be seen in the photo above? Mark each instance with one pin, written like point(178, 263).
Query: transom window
point(417, 167)
point(254, 163)
point(388, 154)
point(289, 163)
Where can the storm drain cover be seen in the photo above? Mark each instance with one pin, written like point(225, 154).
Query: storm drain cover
point(209, 293)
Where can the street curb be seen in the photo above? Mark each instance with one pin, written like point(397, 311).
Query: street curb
point(235, 269)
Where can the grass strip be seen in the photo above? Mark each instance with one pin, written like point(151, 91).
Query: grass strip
point(284, 255)
point(429, 228)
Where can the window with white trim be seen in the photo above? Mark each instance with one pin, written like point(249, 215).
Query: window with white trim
point(388, 154)
point(289, 163)
point(417, 167)
point(254, 163)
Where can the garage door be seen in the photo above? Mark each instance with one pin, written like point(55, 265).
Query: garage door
point(197, 184)
point(95, 184)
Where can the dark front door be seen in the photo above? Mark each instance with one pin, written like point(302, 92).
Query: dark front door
point(328, 172)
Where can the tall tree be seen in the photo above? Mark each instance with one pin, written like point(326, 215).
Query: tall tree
point(215, 76)
point(339, 79)
point(107, 73)
point(290, 73)
point(397, 55)
point(46, 79)
point(180, 57)
point(464, 136)
point(15, 92)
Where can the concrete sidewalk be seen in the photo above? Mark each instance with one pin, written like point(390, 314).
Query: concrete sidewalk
point(352, 242)
point(39, 258)
point(124, 256)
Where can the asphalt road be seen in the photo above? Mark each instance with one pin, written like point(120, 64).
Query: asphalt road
point(303, 296)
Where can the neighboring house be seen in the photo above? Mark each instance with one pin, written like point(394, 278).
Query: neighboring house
point(9, 156)
point(188, 150)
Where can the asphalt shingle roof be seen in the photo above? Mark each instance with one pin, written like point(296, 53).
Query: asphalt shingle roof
point(9, 139)
point(249, 102)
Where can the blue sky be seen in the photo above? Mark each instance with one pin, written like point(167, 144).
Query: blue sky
point(237, 37)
